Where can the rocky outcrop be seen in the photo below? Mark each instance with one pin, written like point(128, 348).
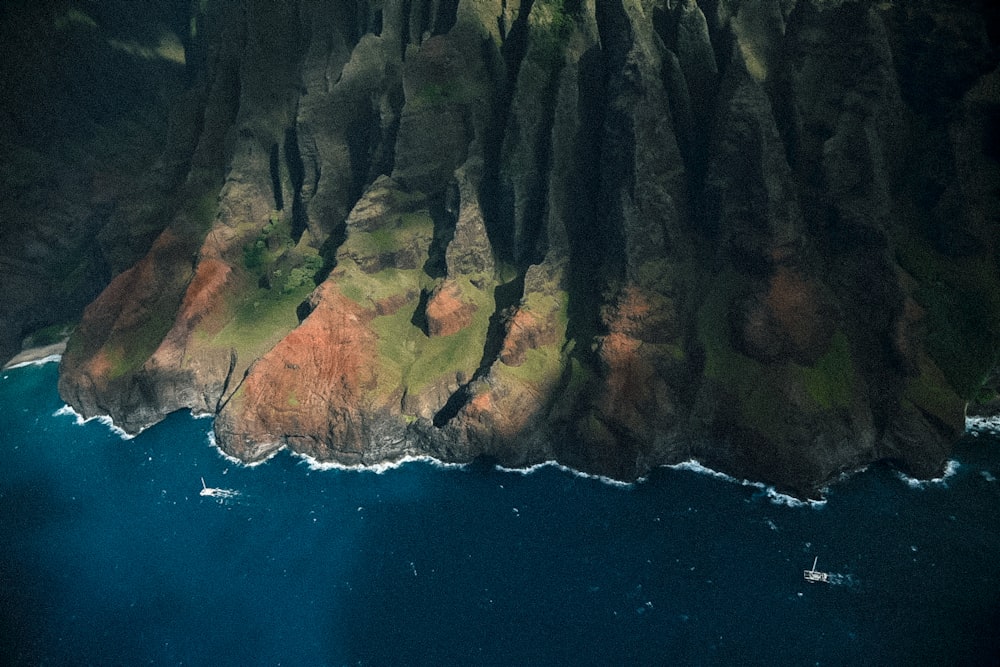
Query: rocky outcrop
point(310, 392)
point(615, 234)
point(88, 162)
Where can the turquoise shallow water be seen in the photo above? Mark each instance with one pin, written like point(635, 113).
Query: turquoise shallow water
point(111, 556)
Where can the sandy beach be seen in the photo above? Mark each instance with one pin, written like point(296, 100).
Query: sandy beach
point(36, 353)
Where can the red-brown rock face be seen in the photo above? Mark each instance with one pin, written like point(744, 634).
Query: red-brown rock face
point(639, 355)
point(617, 234)
point(309, 392)
point(526, 331)
point(789, 317)
point(447, 313)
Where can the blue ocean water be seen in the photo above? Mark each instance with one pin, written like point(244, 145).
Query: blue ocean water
point(110, 556)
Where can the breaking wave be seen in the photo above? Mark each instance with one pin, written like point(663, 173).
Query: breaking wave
point(769, 492)
point(66, 410)
point(377, 468)
point(385, 466)
point(949, 471)
point(235, 461)
point(528, 470)
point(36, 362)
point(695, 466)
point(975, 426)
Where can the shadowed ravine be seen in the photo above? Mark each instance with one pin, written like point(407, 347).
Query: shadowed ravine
point(614, 234)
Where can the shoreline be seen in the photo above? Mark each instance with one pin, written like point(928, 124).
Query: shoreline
point(33, 354)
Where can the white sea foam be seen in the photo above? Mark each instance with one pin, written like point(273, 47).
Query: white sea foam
point(976, 425)
point(778, 498)
point(114, 428)
point(769, 492)
point(317, 465)
point(239, 462)
point(36, 362)
point(835, 579)
point(576, 473)
point(695, 466)
point(385, 466)
point(66, 410)
point(949, 471)
point(377, 468)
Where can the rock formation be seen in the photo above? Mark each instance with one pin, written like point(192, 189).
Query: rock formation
point(88, 161)
point(615, 234)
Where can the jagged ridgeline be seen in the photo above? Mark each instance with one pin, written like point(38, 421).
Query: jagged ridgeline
point(612, 233)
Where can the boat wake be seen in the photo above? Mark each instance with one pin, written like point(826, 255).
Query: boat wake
point(221, 495)
point(835, 579)
point(815, 576)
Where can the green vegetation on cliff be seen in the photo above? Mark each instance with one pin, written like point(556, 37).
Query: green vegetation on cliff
point(962, 302)
point(260, 318)
point(640, 271)
point(831, 380)
point(130, 349)
point(416, 361)
point(368, 272)
point(931, 392)
point(281, 277)
point(770, 396)
point(551, 24)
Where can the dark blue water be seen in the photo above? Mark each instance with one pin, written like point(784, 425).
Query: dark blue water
point(110, 556)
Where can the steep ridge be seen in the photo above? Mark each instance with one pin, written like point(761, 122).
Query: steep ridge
point(88, 164)
point(616, 234)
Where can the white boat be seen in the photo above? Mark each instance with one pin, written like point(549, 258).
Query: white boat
point(814, 576)
point(207, 490)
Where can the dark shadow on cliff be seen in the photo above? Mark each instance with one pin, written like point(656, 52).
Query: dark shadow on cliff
point(506, 296)
point(84, 121)
point(589, 243)
point(497, 211)
point(444, 214)
point(297, 176)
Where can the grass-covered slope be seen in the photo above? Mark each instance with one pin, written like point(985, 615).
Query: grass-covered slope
point(613, 234)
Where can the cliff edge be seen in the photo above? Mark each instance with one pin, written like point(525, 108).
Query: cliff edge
point(614, 234)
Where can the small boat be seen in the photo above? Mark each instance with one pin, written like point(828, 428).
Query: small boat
point(207, 490)
point(814, 576)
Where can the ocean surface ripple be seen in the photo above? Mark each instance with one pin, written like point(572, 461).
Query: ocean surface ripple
point(159, 549)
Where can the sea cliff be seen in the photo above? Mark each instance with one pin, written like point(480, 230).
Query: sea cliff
point(615, 234)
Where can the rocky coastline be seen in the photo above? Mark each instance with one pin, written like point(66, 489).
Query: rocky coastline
point(615, 235)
